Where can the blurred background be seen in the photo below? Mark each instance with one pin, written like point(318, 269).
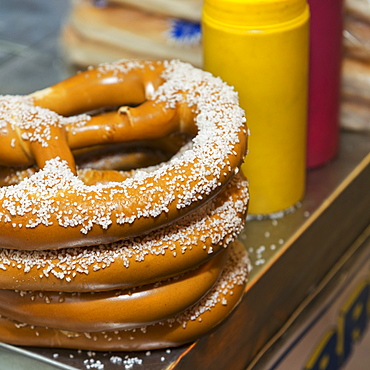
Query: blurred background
point(40, 40)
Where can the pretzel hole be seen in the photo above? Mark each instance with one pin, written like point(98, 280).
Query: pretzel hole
point(132, 155)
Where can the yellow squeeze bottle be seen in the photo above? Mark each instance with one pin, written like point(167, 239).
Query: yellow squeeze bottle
point(261, 47)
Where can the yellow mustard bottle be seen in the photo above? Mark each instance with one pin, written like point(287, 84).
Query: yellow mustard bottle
point(261, 47)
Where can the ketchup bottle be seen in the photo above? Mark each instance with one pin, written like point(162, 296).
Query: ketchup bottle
point(326, 26)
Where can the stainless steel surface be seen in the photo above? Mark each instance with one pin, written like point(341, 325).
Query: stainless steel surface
point(30, 60)
point(13, 358)
point(29, 45)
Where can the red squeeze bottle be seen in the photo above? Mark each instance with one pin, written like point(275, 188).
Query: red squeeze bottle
point(324, 80)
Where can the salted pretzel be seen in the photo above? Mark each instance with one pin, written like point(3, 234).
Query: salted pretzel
point(167, 97)
point(128, 309)
point(163, 253)
point(103, 249)
point(182, 328)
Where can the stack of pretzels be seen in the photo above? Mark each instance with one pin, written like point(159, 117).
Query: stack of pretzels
point(121, 200)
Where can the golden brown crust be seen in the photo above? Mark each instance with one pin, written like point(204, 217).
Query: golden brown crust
point(177, 96)
point(115, 309)
point(183, 328)
point(155, 256)
point(74, 238)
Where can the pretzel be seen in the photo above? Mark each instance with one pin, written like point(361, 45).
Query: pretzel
point(180, 329)
point(172, 97)
point(96, 242)
point(163, 253)
point(114, 309)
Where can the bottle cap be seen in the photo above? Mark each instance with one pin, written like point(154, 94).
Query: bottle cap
point(254, 13)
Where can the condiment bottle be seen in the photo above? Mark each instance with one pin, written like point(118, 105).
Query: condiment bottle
point(261, 48)
point(326, 27)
